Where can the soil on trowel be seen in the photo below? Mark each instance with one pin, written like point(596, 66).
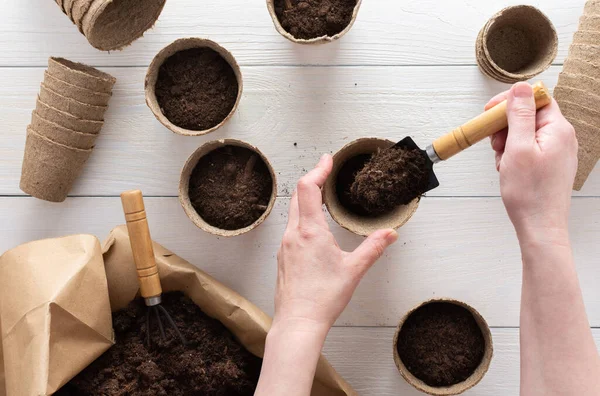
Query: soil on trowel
point(212, 363)
point(196, 89)
point(511, 48)
point(377, 184)
point(441, 344)
point(308, 19)
point(230, 187)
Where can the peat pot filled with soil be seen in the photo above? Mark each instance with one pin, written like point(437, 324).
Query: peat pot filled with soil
point(443, 347)
point(313, 21)
point(347, 191)
point(193, 86)
point(227, 187)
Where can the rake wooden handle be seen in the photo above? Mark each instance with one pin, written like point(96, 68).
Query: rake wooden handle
point(492, 121)
point(141, 243)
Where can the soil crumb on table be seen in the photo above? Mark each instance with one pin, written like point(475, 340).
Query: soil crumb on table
point(212, 364)
point(308, 19)
point(230, 187)
point(441, 344)
point(196, 89)
point(377, 184)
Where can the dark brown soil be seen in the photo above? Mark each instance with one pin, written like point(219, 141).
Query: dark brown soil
point(377, 184)
point(510, 48)
point(230, 187)
point(196, 89)
point(212, 363)
point(441, 344)
point(307, 19)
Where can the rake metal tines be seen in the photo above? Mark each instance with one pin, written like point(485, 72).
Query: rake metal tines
point(156, 311)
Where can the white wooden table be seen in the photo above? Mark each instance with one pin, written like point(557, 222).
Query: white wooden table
point(406, 68)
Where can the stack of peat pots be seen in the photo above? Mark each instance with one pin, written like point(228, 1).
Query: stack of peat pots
point(516, 44)
point(577, 91)
point(112, 24)
point(68, 117)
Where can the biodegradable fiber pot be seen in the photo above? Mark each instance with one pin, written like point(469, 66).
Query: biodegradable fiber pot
point(358, 224)
point(81, 75)
point(516, 44)
point(184, 186)
point(317, 40)
point(166, 53)
point(462, 386)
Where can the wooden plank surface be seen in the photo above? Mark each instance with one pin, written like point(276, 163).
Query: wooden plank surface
point(387, 32)
point(320, 109)
point(430, 259)
point(364, 357)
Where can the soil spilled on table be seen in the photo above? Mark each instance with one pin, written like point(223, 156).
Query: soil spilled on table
point(372, 185)
point(196, 89)
point(212, 363)
point(441, 344)
point(230, 187)
point(308, 19)
point(510, 48)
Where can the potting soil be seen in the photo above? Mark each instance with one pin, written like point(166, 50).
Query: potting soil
point(391, 178)
point(196, 89)
point(441, 344)
point(510, 48)
point(212, 363)
point(230, 187)
point(308, 19)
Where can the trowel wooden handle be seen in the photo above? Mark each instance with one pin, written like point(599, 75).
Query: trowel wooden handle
point(141, 243)
point(492, 121)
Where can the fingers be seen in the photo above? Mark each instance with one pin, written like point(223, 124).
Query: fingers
point(521, 112)
point(294, 214)
point(372, 249)
point(498, 140)
point(310, 199)
point(496, 100)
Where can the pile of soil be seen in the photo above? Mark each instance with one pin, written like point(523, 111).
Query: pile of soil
point(511, 48)
point(377, 184)
point(308, 19)
point(196, 89)
point(212, 363)
point(230, 187)
point(441, 344)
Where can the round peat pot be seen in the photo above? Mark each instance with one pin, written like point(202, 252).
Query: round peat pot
point(447, 322)
point(517, 44)
point(243, 160)
point(213, 53)
point(276, 7)
point(341, 211)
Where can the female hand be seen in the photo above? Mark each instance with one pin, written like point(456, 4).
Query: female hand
point(537, 160)
point(316, 279)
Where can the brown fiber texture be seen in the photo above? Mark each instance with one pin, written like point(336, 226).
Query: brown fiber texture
point(50, 169)
point(196, 89)
point(113, 24)
point(67, 120)
point(81, 75)
point(76, 93)
point(80, 8)
point(516, 44)
point(212, 363)
point(309, 19)
point(392, 177)
point(62, 135)
point(230, 187)
point(441, 344)
point(77, 109)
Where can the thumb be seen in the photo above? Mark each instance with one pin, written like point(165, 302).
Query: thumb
point(521, 113)
point(372, 249)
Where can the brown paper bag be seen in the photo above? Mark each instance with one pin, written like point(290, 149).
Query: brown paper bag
point(54, 310)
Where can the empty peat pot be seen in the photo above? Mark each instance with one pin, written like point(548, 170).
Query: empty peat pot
point(443, 347)
point(193, 86)
point(346, 163)
point(227, 187)
point(517, 44)
point(312, 21)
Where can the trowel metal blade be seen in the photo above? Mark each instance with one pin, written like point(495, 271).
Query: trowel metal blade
point(407, 142)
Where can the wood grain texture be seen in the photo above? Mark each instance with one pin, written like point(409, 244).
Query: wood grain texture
point(318, 108)
point(387, 32)
point(464, 248)
point(363, 356)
